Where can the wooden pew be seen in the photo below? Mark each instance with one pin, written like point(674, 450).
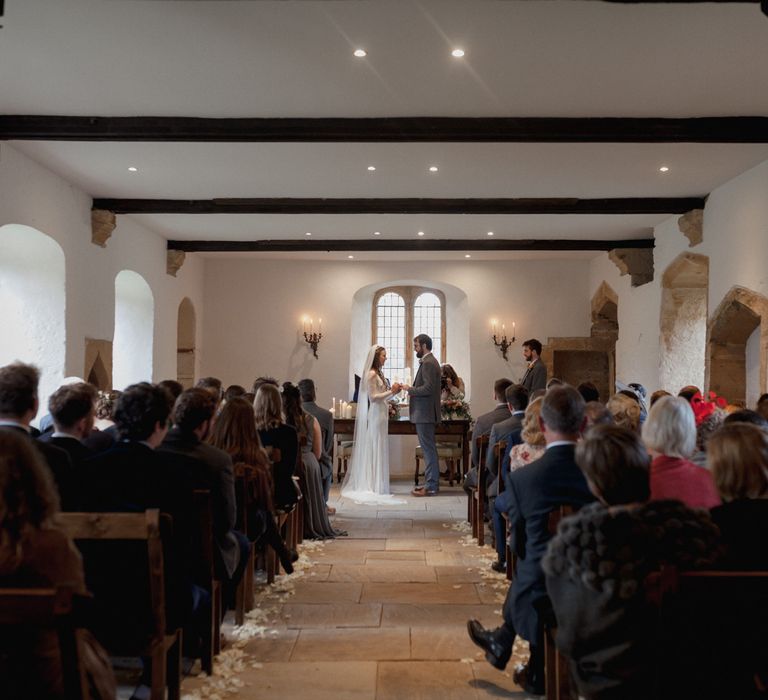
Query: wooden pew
point(146, 636)
point(52, 609)
point(476, 503)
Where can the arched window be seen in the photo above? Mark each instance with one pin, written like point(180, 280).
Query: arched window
point(134, 323)
point(400, 314)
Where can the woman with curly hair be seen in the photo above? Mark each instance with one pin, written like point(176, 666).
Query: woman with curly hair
point(533, 443)
point(34, 553)
point(598, 563)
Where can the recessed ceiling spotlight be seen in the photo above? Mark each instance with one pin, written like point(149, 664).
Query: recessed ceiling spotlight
point(351, 257)
point(371, 168)
point(133, 169)
point(420, 233)
point(377, 233)
point(360, 53)
point(308, 233)
point(467, 255)
point(490, 233)
point(457, 53)
point(433, 168)
point(664, 169)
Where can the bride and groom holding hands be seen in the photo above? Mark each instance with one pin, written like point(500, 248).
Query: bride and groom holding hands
point(367, 479)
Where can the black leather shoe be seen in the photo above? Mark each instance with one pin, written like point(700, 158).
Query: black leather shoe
point(495, 653)
point(530, 685)
point(500, 566)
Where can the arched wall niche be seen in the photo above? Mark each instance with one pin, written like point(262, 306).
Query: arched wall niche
point(185, 354)
point(134, 325)
point(32, 303)
point(593, 358)
point(683, 322)
point(741, 316)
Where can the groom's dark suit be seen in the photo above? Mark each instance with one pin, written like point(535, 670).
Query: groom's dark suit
point(424, 413)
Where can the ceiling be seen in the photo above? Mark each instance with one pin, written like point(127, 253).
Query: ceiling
point(261, 58)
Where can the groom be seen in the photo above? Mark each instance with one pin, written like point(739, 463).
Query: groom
point(425, 411)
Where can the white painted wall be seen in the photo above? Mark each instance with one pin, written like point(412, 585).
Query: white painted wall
point(32, 195)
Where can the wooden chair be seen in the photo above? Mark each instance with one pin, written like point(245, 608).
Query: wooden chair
point(451, 452)
point(54, 610)
point(144, 636)
point(245, 478)
point(344, 444)
point(476, 504)
point(205, 576)
point(499, 450)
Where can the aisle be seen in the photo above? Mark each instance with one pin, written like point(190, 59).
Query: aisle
point(379, 614)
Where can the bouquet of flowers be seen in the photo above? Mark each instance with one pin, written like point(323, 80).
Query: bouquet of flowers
point(455, 409)
point(394, 410)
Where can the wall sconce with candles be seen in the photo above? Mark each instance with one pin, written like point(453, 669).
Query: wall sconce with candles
point(502, 341)
point(311, 336)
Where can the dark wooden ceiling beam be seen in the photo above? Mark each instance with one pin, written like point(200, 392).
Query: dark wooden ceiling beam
point(405, 245)
point(389, 129)
point(557, 205)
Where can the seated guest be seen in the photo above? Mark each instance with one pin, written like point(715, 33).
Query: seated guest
point(625, 411)
point(316, 523)
point(18, 406)
point(535, 491)
point(233, 391)
point(273, 432)
point(325, 418)
point(235, 433)
point(709, 414)
point(670, 436)
point(762, 406)
point(257, 383)
point(597, 414)
point(193, 415)
point(737, 455)
point(688, 392)
point(211, 385)
point(34, 552)
point(745, 415)
point(588, 392)
point(507, 431)
point(173, 387)
point(104, 433)
point(521, 453)
point(483, 426)
point(656, 395)
point(73, 410)
point(597, 564)
point(554, 381)
point(451, 385)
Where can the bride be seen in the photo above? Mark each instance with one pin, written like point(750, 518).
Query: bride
point(367, 479)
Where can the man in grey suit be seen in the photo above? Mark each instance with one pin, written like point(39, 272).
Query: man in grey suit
point(535, 376)
point(425, 411)
point(507, 431)
point(325, 419)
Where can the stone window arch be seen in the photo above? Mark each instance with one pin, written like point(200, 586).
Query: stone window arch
point(134, 330)
point(683, 322)
point(739, 315)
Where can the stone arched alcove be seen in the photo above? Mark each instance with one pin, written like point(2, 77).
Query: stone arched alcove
point(683, 321)
point(739, 315)
point(32, 303)
point(185, 334)
point(134, 329)
point(593, 358)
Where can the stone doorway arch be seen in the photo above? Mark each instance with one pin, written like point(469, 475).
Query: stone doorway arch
point(185, 353)
point(683, 322)
point(738, 315)
point(593, 359)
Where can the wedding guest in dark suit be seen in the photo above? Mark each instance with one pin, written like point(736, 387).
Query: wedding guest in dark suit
point(73, 409)
point(211, 385)
point(507, 431)
point(173, 387)
point(536, 490)
point(193, 415)
point(325, 418)
point(18, 406)
point(737, 456)
point(273, 432)
point(535, 376)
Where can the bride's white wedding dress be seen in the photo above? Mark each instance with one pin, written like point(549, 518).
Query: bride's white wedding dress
point(367, 479)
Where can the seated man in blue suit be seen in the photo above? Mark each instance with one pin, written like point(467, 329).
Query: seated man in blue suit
point(536, 490)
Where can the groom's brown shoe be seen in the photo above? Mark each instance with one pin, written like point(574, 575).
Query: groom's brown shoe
point(421, 491)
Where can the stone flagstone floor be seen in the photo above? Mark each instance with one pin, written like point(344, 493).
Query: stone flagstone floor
point(378, 614)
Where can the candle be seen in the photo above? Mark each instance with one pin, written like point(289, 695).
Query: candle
point(503, 329)
point(493, 326)
point(333, 404)
point(513, 327)
point(320, 324)
point(311, 325)
point(348, 411)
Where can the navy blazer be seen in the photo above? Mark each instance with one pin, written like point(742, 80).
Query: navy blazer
point(535, 491)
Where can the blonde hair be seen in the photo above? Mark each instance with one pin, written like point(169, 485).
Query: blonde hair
point(625, 411)
point(531, 432)
point(737, 454)
point(670, 428)
point(268, 407)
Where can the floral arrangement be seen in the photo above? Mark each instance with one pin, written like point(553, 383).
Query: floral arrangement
point(394, 410)
point(703, 408)
point(455, 409)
